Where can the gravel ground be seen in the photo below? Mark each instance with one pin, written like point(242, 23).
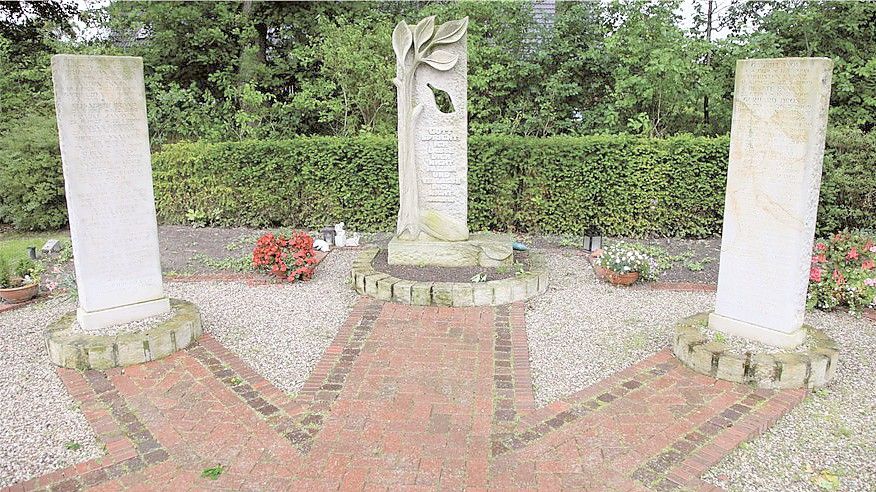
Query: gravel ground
point(833, 432)
point(280, 331)
point(583, 329)
point(38, 418)
point(830, 436)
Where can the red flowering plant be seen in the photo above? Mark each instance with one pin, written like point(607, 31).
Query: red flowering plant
point(843, 272)
point(290, 258)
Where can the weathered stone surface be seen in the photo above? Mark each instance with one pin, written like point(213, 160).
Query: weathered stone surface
point(501, 291)
point(442, 293)
point(100, 104)
point(78, 350)
point(421, 294)
point(812, 368)
point(463, 295)
point(401, 291)
point(433, 145)
point(731, 368)
point(385, 287)
point(51, 246)
point(776, 147)
point(371, 283)
point(794, 370)
point(432, 227)
point(482, 249)
point(482, 294)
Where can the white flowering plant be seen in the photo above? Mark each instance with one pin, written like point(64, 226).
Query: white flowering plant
point(623, 258)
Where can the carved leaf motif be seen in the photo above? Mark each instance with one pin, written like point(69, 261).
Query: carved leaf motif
point(441, 226)
point(450, 31)
point(423, 31)
point(401, 41)
point(441, 60)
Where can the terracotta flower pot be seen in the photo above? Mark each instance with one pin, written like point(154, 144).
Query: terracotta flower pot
point(615, 278)
point(20, 294)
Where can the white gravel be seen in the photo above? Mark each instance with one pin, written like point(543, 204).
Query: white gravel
point(832, 432)
point(281, 331)
point(584, 330)
point(38, 418)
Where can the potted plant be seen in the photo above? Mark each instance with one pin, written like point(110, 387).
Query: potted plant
point(622, 264)
point(19, 282)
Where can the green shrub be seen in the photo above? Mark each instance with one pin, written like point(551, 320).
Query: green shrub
point(621, 185)
point(848, 183)
point(31, 180)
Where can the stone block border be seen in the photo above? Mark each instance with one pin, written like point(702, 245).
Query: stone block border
point(382, 286)
point(783, 370)
point(83, 352)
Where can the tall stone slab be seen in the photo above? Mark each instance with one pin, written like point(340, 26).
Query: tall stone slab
point(776, 147)
point(100, 103)
point(432, 80)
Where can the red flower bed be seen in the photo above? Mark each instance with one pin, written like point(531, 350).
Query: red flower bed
point(843, 272)
point(291, 258)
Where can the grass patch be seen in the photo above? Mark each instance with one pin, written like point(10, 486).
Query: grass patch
point(13, 245)
point(212, 473)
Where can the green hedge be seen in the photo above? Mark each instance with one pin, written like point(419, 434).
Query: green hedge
point(622, 185)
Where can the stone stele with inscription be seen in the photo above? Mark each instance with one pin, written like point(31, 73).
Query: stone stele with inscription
point(432, 228)
point(776, 148)
point(100, 103)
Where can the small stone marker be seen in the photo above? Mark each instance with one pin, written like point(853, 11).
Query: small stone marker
point(776, 148)
point(432, 83)
point(100, 103)
point(52, 246)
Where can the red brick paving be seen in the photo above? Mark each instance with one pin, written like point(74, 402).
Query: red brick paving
point(408, 398)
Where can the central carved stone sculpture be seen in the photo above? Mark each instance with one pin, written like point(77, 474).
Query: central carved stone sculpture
point(431, 79)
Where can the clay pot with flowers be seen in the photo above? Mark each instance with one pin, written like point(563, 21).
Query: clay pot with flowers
point(19, 281)
point(622, 264)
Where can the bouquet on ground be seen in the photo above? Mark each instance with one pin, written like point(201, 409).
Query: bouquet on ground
point(623, 264)
point(290, 258)
point(843, 272)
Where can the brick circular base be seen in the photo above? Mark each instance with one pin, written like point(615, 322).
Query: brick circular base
point(82, 351)
point(370, 282)
point(809, 369)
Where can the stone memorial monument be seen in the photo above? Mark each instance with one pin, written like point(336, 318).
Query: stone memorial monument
point(776, 148)
point(432, 226)
point(101, 109)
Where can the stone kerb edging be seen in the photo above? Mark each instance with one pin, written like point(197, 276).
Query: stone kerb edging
point(83, 351)
point(370, 282)
point(783, 370)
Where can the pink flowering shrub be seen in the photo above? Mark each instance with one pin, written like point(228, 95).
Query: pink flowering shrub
point(843, 272)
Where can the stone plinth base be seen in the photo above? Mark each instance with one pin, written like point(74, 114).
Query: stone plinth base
point(481, 249)
point(78, 350)
point(95, 320)
point(754, 332)
point(811, 368)
point(370, 282)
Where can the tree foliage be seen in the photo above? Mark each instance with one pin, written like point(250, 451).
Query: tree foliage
point(231, 71)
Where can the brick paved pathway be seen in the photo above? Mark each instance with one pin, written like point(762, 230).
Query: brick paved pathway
point(408, 398)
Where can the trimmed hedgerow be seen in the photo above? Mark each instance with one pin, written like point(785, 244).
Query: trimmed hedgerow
point(620, 185)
